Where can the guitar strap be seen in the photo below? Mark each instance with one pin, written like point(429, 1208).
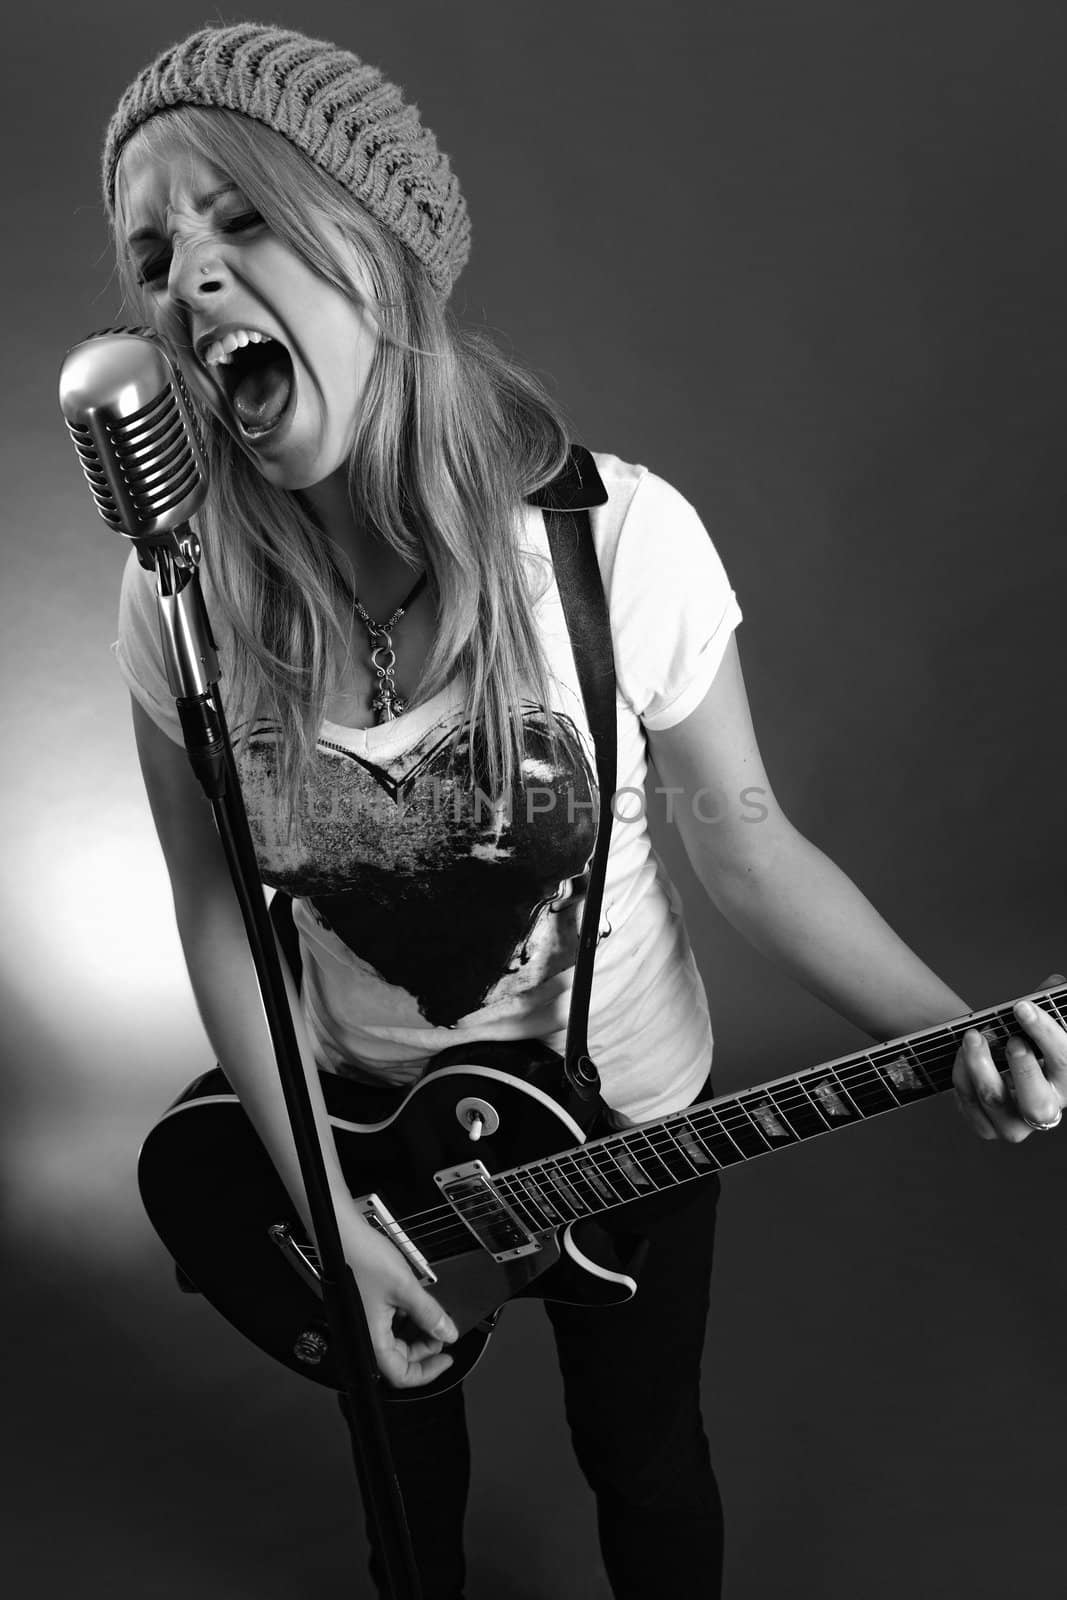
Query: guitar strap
point(565, 503)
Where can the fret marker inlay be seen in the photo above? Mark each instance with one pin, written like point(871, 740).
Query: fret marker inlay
point(631, 1169)
point(830, 1100)
point(692, 1147)
point(769, 1120)
point(587, 1168)
point(903, 1075)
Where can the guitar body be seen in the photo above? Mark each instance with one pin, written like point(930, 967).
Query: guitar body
point(212, 1194)
point(486, 1221)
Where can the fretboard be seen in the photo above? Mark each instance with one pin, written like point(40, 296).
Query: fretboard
point(720, 1133)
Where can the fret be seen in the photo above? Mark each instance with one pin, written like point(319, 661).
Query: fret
point(598, 1176)
point(527, 1197)
point(1056, 1012)
point(717, 1134)
point(671, 1153)
point(552, 1198)
point(695, 1147)
point(522, 1199)
point(941, 1071)
point(578, 1185)
point(833, 1098)
point(647, 1157)
point(823, 1114)
point(796, 1109)
point(868, 1089)
point(746, 1131)
point(906, 1077)
point(625, 1171)
point(926, 1070)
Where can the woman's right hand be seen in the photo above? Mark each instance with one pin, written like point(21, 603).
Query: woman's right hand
point(389, 1290)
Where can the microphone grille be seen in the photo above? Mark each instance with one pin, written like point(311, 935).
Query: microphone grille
point(131, 420)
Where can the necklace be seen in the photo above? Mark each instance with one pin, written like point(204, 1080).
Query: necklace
point(386, 704)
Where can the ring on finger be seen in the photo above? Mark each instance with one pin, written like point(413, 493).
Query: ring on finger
point(1043, 1127)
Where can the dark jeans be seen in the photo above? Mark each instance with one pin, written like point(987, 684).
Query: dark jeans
point(631, 1378)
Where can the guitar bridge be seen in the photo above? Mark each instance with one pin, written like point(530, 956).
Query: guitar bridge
point(304, 1258)
point(373, 1210)
point(497, 1228)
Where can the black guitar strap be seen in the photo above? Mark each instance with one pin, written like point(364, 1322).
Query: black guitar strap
point(565, 503)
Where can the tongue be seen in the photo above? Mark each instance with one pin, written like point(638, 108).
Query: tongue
point(262, 394)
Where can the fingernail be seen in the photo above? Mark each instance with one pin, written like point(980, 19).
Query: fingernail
point(1015, 1047)
point(1025, 1011)
point(446, 1329)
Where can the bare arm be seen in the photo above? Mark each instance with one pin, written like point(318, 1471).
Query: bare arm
point(227, 994)
point(798, 908)
point(776, 887)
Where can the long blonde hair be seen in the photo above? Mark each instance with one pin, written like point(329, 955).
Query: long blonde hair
point(452, 435)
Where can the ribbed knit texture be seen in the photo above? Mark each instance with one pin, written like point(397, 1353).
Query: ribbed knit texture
point(350, 120)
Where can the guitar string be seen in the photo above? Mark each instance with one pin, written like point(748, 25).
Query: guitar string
point(728, 1117)
point(427, 1234)
point(706, 1119)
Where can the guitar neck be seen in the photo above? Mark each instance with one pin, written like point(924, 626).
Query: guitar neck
point(720, 1133)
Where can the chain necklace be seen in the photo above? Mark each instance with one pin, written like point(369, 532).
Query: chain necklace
point(386, 704)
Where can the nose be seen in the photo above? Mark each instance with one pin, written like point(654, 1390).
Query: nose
point(196, 275)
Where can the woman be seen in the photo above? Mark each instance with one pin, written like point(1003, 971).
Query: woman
point(290, 229)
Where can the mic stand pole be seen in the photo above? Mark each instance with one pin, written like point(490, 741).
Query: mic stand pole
point(193, 671)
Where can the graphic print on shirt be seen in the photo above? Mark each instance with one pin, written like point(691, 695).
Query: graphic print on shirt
point(440, 892)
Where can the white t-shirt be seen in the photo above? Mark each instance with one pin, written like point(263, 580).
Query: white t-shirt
point(426, 918)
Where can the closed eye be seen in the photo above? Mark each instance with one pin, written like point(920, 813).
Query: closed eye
point(159, 266)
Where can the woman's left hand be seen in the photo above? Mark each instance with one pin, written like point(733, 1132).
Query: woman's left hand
point(1035, 1090)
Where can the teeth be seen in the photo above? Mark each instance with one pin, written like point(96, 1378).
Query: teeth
point(220, 352)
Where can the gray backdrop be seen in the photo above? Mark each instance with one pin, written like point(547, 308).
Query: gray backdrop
point(806, 262)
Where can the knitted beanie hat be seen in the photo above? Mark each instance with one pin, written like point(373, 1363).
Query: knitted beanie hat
point(339, 111)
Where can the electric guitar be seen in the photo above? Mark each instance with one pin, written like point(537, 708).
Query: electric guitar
point(485, 1181)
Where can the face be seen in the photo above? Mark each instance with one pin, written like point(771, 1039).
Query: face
point(209, 265)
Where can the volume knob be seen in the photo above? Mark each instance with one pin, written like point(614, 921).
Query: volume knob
point(310, 1347)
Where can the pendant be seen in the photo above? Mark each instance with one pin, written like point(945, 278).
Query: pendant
point(386, 704)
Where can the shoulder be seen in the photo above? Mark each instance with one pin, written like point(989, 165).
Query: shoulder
point(622, 497)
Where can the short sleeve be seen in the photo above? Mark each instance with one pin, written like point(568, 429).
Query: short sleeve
point(672, 608)
point(138, 649)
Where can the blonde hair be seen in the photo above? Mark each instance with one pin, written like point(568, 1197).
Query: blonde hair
point(451, 436)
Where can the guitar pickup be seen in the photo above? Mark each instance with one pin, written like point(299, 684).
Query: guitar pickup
point(497, 1228)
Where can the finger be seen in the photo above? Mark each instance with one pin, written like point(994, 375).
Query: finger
point(982, 1082)
point(402, 1373)
point(407, 1372)
point(1034, 1095)
point(1053, 980)
point(1049, 1037)
point(406, 1363)
point(427, 1314)
point(966, 1095)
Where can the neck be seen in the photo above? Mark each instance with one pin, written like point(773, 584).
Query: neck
point(371, 568)
point(354, 545)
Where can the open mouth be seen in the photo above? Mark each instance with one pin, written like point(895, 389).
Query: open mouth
point(260, 386)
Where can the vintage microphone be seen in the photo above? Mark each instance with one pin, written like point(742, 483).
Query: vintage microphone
point(137, 438)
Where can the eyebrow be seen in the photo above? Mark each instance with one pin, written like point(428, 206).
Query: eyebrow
point(201, 203)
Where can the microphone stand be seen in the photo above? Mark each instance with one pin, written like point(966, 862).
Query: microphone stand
point(193, 671)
